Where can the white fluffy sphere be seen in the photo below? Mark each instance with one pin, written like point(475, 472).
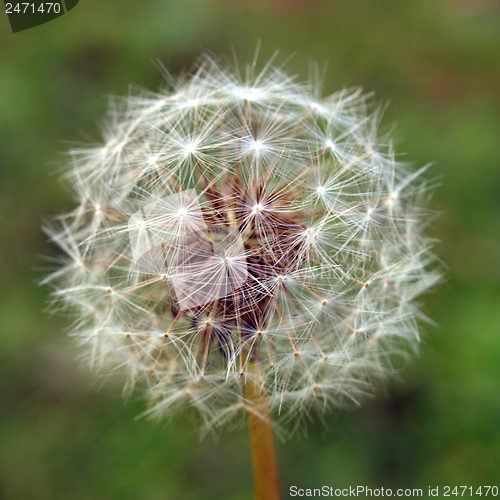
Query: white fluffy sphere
point(230, 221)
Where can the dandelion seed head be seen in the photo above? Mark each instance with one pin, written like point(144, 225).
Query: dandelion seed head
point(240, 218)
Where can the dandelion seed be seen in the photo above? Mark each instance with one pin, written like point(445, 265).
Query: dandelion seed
point(329, 144)
point(321, 190)
point(257, 208)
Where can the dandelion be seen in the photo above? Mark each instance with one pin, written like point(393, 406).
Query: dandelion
point(242, 246)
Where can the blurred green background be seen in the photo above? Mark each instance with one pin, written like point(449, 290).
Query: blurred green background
point(65, 435)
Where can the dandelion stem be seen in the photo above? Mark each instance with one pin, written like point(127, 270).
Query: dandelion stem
point(264, 463)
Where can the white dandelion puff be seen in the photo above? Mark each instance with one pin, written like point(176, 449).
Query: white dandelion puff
point(231, 221)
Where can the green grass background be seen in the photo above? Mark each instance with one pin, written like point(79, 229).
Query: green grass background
point(64, 435)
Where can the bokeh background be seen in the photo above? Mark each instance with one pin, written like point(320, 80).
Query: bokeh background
point(64, 435)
